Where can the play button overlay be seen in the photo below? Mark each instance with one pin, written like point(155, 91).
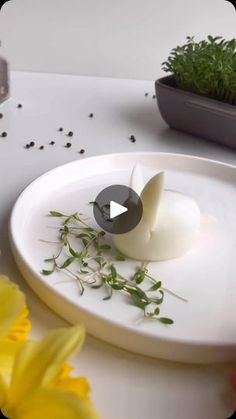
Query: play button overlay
point(117, 209)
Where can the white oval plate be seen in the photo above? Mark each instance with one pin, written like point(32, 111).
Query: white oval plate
point(205, 327)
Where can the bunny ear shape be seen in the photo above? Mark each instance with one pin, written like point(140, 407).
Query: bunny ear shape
point(151, 196)
point(136, 180)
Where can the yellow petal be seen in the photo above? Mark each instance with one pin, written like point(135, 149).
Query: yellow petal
point(8, 350)
point(52, 404)
point(12, 302)
point(38, 363)
point(3, 392)
point(21, 328)
point(77, 385)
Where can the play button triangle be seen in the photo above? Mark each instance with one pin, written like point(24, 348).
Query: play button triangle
point(116, 209)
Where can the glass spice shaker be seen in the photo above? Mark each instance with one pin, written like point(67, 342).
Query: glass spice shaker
point(4, 80)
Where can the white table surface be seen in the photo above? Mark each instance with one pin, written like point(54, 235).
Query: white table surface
point(124, 385)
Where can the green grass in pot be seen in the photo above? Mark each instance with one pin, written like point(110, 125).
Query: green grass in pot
point(207, 68)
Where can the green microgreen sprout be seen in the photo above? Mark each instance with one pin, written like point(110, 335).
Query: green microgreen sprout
point(87, 257)
point(207, 67)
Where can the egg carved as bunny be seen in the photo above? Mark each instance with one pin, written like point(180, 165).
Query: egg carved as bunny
point(169, 224)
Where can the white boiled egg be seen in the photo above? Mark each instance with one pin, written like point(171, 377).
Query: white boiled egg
point(169, 225)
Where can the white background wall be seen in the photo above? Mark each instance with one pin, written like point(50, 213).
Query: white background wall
point(118, 38)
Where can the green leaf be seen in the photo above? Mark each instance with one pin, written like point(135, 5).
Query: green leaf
point(157, 311)
point(47, 273)
point(141, 294)
point(137, 292)
point(66, 229)
point(73, 252)
point(139, 277)
point(156, 286)
point(89, 229)
point(113, 272)
point(165, 320)
point(107, 298)
point(105, 247)
point(85, 242)
point(67, 220)
point(68, 262)
point(83, 236)
point(154, 314)
point(96, 287)
point(117, 286)
point(120, 258)
point(56, 214)
point(139, 302)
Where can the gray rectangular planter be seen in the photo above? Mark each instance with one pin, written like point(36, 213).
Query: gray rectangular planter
point(195, 114)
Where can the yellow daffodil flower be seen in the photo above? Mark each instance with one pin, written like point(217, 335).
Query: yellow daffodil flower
point(41, 385)
point(35, 380)
point(14, 323)
point(14, 327)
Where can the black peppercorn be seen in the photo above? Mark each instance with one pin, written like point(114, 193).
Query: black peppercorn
point(4, 134)
point(70, 134)
point(132, 138)
point(146, 94)
point(19, 106)
point(154, 97)
point(52, 143)
point(32, 144)
point(91, 115)
point(68, 145)
point(41, 147)
point(1, 115)
point(60, 129)
point(27, 146)
point(82, 151)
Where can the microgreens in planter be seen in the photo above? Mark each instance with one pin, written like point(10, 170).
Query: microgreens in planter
point(207, 67)
point(199, 95)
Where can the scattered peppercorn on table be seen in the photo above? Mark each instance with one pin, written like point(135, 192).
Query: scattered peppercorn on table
point(54, 119)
